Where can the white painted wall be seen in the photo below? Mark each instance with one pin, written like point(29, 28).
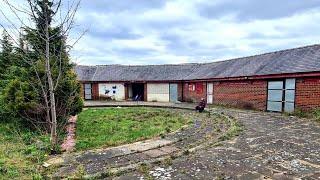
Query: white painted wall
point(113, 90)
point(158, 92)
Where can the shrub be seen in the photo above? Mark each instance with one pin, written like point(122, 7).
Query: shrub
point(317, 115)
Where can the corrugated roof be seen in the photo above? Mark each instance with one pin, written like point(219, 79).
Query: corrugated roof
point(297, 60)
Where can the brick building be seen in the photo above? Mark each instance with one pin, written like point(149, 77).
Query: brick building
point(281, 81)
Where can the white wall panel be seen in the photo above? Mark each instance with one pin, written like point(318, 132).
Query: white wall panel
point(158, 92)
point(113, 90)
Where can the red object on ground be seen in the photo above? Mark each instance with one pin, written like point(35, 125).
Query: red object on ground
point(70, 142)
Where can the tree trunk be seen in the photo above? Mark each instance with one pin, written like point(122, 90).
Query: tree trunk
point(54, 137)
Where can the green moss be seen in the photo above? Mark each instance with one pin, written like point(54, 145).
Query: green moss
point(144, 169)
point(115, 126)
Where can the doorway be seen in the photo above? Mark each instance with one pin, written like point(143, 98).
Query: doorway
point(210, 93)
point(138, 91)
point(173, 93)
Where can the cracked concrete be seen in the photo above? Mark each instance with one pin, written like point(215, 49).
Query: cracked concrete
point(99, 163)
point(272, 146)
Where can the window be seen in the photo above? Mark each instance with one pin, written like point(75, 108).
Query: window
point(281, 95)
point(290, 86)
point(192, 87)
point(87, 91)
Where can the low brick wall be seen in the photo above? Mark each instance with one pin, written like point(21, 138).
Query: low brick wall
point(250, 94)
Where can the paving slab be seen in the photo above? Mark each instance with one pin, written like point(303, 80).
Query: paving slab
point(169, 149)
point(149, 144)
point(154, 153)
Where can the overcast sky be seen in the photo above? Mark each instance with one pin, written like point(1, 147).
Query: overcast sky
point(181, 31)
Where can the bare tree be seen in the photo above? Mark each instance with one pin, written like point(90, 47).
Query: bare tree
point(47, 12)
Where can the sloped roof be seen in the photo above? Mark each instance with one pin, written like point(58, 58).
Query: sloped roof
point(297, 60)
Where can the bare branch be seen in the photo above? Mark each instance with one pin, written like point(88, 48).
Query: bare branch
point(78, 39)
point(52, 55)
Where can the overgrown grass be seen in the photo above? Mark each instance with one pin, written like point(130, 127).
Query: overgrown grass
point(21, 152)
point(317, 115)
point(114, 126)
point(314, 114)
point(234, 130)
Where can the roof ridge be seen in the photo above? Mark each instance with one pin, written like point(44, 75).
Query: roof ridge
point(147, 65)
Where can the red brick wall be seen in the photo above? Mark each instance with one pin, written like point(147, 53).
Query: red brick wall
point(308, 93)
point(196, 95)
point(248, 94)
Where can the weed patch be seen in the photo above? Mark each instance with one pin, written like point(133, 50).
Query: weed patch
point(314, 114)
point(115, 126)
point(22, 152)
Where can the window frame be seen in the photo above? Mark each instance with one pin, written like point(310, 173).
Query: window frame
point(284, 90)
point(84, 91)
point(191, 87)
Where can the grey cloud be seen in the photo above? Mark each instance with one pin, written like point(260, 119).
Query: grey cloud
point(117, 27)
point(107, 6)
point(178, 45)
point(113, 33)
point(134, 52)
point(181, 46)
point(246, 10)
point(166, 24)
point(125, 20)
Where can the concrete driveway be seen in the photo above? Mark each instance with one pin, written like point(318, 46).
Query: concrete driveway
point(272, 146)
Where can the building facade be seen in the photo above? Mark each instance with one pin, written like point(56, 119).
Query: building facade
point(282, 81)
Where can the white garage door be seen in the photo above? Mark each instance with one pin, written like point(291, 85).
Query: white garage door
point(158, 92)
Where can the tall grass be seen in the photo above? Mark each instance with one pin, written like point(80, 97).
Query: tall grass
point(22, 152)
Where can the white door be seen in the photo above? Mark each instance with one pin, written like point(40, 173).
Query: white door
point(173, 93)
point(210, 93)
point(87, 91)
